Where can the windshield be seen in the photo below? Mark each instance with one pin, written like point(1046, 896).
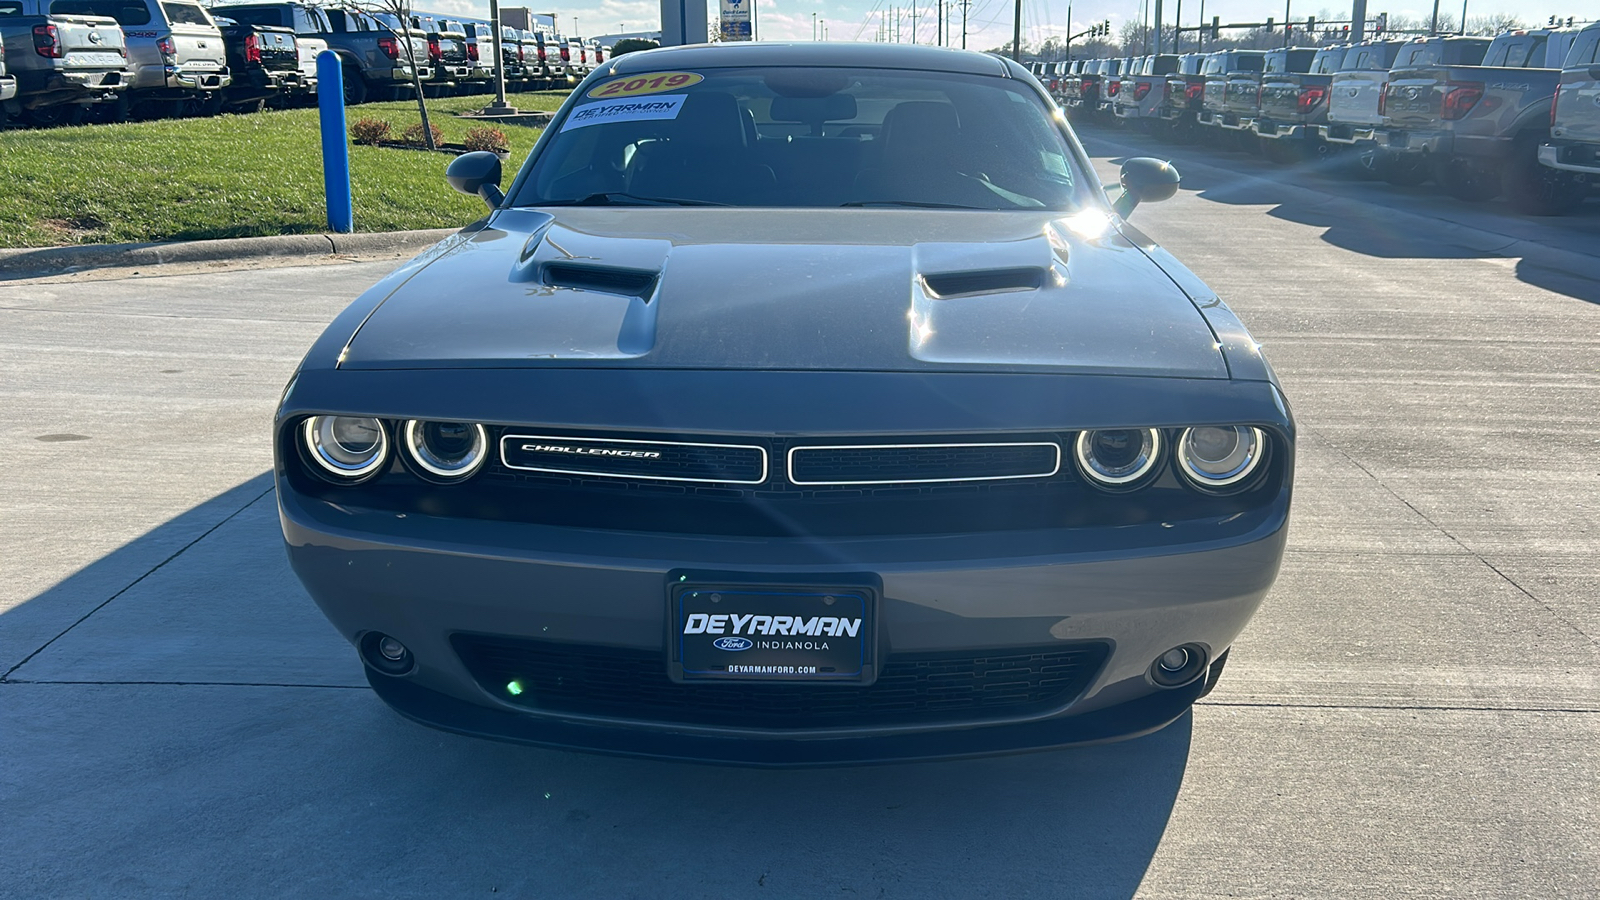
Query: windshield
point(800, 137)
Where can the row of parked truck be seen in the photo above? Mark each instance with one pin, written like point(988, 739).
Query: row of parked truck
point(70, 61)
point(1518, 114)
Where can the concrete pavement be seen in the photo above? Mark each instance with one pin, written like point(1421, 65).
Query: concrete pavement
point(1414, 712)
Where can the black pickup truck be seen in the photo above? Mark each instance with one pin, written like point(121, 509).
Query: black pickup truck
point(1293, 104)
point(265, 62)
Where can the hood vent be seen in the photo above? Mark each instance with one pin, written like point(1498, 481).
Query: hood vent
point(987, 281)
point(608, 279)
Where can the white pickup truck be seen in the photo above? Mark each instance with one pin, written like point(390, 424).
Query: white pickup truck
point(1571, 158)
point(64, 63)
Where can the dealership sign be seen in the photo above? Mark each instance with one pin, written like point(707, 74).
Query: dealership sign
point(736, 20)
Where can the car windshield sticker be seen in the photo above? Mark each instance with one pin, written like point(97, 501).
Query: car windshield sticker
point(663, 107)
point(637, 85)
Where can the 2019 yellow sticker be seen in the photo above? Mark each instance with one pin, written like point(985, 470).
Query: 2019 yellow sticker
point(636, 85)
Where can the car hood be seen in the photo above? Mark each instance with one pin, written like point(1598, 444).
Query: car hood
point(858, 289)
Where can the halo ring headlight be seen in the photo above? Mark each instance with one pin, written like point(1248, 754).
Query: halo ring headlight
point(1214, 456)
point(1117, 457)
point(447, 450)
point(347, 447)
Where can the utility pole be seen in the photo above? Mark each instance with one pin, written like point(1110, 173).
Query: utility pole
point(1289, 29)
point(965, 5)
point(1069, 30)
point(1200, 36)
point(1177, 33)
point(1158, 26)
point(1434, 28)
point(914, 17)
point(1016, 33)
point(939, 36)
point(1358, 20)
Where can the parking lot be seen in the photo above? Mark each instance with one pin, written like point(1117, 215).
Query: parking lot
point(1414, 712)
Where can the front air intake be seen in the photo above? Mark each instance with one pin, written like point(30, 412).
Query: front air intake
point(988, 281)
point(608, 279)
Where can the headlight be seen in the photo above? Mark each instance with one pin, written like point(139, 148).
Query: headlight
point(446, 449)
point(1217, 456)
point(1118, 456)
point(348, 447)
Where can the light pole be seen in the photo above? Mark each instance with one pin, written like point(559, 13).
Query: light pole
point(499, 107)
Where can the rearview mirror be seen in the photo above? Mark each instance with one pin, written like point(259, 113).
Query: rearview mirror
point(1145, 180)
point(477, 174)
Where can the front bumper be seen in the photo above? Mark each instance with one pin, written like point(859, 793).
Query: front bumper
point(1571, 157)
point(1141, 591)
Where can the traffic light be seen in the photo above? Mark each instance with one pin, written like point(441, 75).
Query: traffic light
point(1311, 24)
point(1216, 27)
point(1271, 25)
point(1105, 28)
point(1382, 23)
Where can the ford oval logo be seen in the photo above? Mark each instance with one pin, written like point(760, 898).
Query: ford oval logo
point(732, 643)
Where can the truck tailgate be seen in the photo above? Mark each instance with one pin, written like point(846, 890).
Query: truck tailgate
point(199, 47)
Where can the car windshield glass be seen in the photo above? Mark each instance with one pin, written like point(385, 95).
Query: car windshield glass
point(126, 12)
point(808, 137)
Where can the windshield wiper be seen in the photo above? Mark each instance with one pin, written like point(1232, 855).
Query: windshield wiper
point(619, 198)
point(914, 204)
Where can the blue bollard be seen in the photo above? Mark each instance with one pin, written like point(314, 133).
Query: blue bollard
point(335, 145)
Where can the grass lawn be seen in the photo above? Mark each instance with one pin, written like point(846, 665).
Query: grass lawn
point(231, 176)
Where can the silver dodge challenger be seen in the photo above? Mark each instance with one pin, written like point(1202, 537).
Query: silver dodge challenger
point(793, 405)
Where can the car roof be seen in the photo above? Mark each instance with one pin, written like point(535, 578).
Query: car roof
point(809, 53)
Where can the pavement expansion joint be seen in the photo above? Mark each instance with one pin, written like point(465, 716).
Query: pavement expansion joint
point(1457, 541)
point(125, 588)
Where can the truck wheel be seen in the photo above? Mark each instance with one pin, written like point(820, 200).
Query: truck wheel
point(1538, 190)
point(355, 87)
point(1466, 181)
point(1399, 170)
point(110, 113)
point(212, 105)
point(51, 116)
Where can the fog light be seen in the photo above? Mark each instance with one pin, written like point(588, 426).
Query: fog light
point(1179, 666)
point(385, 654)
point(392, 650)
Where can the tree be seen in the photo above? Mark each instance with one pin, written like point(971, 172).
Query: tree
point(629, 45)
point(388, 14)
point(1494, 24)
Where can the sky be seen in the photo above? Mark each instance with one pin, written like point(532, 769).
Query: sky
point(989, 21)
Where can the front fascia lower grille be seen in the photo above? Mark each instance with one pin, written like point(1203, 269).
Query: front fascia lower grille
point(635, 459)
point(928, 687)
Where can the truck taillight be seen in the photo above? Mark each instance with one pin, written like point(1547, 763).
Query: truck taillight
point(390, 47)
point(1054, 83)
point(1192, 92)
point(541, 53)
point(472, 52)
point(252, 48)
point(522, 55)
point(1112, 88)
point(583, 56)
point(1460, 97)
point(47, 41)
point(435, 52)
point(1085, 85)
point(167, 46)
point(566, 53)
point(1555, 101)
point(1310, 97)
point(1140, 90)
point(1383, 100)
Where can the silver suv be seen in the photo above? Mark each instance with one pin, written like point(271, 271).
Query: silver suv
point(176, 51)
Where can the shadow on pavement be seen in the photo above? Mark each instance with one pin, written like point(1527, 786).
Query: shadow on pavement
point(173, 742)
point(1317, 193)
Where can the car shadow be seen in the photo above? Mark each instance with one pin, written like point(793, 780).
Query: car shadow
point(1318, 193)
point(199, 718)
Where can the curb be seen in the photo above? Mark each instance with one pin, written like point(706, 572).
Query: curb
point(32, 262)
point(1465, 236)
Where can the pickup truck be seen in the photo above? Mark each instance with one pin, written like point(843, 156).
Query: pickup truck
point(481, 48)
point(1180, 103)
point(1294, 105)
point(1143, 91)
point(1112, 86)
point(1468, 124)
point(1570, 160)
point(265, 62)
point(447, 53)
point(63, 64)
point(1229, 74)
point(376, 64)
point(308, 48)
point(179, 63)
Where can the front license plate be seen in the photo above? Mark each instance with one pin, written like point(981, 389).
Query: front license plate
point(772, 633)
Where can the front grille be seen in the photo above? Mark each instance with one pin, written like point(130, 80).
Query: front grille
point(912, 688)
point(631, 459)
point(916, 463)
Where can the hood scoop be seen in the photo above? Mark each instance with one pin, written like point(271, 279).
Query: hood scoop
point(948, 285)
point(607, 279)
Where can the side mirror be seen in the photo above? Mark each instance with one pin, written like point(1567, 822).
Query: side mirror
point(477, 174)
point(1144, 180)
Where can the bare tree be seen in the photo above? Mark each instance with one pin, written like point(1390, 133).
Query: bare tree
point(1494, 24)
point(399, 11)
